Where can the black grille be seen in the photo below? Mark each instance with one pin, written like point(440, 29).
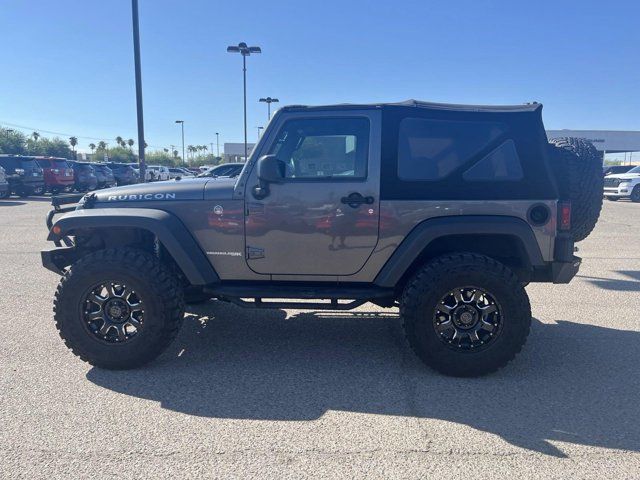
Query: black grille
point(612, 182)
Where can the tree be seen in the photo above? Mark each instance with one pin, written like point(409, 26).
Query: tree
point(102, 145)
point(130, 142)
point(120, 141)
point(73, 141)
point(35, 136)
point(92, 146)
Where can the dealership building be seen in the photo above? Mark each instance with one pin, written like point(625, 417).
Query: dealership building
point(606, 141)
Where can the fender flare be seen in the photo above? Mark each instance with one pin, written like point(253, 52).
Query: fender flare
point(429, 230)
point(167, 227)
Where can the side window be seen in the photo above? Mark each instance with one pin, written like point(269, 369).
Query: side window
point(317, 148)
point(502, 164)
point(432, 149)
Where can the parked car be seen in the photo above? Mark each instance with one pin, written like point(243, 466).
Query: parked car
point(4, 185)
point(24, 175)
point(623, 185)
point(179, 172)
point(58, 174)
point(449, 216)
point(84, 176)
point(123, 173)
point(224, 170)
point(615, 169)
point(104, 175)
point(157, 173)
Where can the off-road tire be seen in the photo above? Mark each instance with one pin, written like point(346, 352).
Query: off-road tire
point(635, 194)
point(423, 293)
point(577, 166)
point(158, 288)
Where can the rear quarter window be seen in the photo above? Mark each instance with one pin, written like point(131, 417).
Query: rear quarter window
point(432, 149)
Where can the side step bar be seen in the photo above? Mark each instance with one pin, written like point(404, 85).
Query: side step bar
point(240, 295)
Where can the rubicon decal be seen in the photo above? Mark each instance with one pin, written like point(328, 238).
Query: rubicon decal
point(142, 196)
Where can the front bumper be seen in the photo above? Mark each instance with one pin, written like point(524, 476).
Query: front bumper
point(617, 192)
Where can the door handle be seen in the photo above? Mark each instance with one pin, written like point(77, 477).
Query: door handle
point(354, 200)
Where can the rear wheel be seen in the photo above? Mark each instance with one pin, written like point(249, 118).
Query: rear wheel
point(465, 314)
point(578, 169)
point(118, 308)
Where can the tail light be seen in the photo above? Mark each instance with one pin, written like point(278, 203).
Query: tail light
point(564, 216)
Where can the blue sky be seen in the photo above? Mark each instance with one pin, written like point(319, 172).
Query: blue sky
point(67, 66)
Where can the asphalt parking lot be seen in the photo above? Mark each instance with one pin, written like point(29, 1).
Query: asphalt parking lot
point(278, 394)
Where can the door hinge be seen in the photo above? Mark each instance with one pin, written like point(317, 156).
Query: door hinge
point(255, 253)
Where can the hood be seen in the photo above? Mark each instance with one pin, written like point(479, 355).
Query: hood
point(624, 176)
point(184, 189)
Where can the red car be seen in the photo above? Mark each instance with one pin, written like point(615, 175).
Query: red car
point(58, 174)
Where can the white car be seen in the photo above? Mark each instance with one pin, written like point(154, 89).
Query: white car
point(157, 173)
point(623, 185)
point(179, 172)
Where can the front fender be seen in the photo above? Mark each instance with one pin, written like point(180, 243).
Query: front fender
point(171, 232)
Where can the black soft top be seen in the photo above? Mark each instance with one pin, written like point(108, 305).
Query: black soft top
point(527, 107)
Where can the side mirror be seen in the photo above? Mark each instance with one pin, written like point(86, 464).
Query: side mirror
point(270, 169)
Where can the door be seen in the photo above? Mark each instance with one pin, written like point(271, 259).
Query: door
point(323, 218)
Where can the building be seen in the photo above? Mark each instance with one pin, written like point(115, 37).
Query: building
point(606, 141)
point(234, 152)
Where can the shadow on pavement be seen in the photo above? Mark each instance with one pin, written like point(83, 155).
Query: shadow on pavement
point(10, 203)
point(573, 382)
point(631, 284)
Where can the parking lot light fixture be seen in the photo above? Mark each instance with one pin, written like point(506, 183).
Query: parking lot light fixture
point(181, 122)
point(245, 51)
point(269, 101)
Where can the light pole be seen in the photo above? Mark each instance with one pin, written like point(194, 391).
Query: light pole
point(269, 101)
point(181, 122)
point(245, 51)
point(217, 145)
point(138, 74)
point(259, 128)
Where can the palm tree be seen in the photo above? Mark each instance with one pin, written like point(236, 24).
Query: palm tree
point(120, 141)
point(102, 145)
point(35, 136)
point(130, 142)
point(92, 146)
point(73, 141)
point(191, 149)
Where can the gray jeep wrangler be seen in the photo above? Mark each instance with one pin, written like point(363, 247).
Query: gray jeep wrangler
point(445, 211)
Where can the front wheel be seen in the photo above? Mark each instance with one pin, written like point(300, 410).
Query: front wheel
point(635, 194)
point(118, 308)
point(465, 314)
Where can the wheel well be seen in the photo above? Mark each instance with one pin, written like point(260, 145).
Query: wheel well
point(93, 239)
point(506, 249)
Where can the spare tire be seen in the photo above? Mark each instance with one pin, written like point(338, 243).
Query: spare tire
point(577, 166)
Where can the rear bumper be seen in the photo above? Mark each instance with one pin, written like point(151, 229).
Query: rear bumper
point(563, 272)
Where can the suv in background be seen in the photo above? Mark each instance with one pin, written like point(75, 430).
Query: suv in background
point(58, 174)
point(123, 173)
point(24, 175)
point(231, 170)
point(175, 172)
point(104, 175)
point(623, 185)
point(156, 173)
point(4, 185)
point(84, 176)
point(614, 169)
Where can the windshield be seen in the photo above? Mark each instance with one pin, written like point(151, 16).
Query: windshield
point(635, 170)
